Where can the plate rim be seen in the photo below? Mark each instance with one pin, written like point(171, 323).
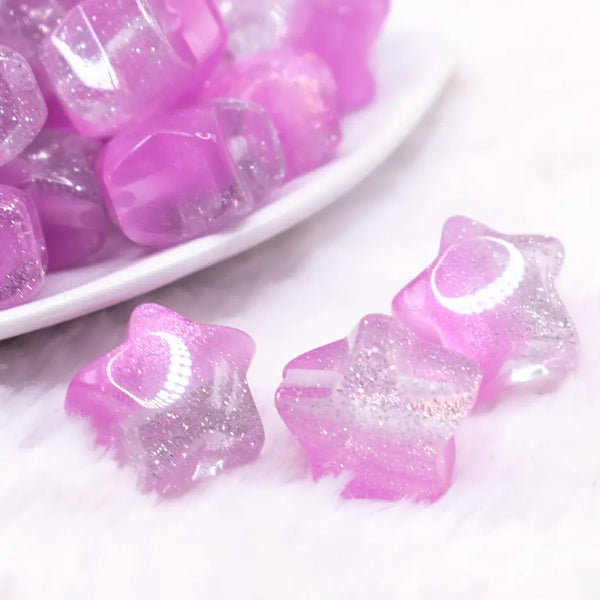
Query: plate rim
point(166, 266)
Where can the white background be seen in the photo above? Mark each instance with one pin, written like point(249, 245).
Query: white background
point(515, 143)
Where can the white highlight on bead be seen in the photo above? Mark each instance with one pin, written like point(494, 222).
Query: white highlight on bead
point(492, 294)
point(176, 380)
point(98, 72)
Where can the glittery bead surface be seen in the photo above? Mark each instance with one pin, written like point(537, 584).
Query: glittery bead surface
point(300, 95)
point(172, 401)
point(57, 172)
point(192, 172)
point(341, 32)
point(492, 297)
point(115, 62)
point(25, 23)
point(381, 405)
point(22, 249)
point(22, 107)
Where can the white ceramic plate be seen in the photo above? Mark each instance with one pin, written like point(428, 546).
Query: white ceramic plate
point(411, 69)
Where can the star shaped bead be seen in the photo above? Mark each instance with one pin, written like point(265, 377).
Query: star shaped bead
point(117, 62)
point(172, 401)
point(383, 406)
point(492, 297)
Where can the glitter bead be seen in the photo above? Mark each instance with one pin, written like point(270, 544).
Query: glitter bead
point(114, 62)
point(192, 172)
point(57, 171)
point(300, 95)
point(22, 249)
point(341, 32)
point(22, 107)
point(172, 401)
point(24, 24)
point(492, 297)
point(382, 406)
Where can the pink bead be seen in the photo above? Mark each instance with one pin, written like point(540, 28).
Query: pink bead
point(23, 26)
point(191, 173)
point(57, 172)
point(115, 62)
point(492, 297)
point(22, 249)
point(22, 107)
point(25, 23)
point(254, 26)
point(172, 401)
point(341, 32)
point(300, 95)
point(382, 406)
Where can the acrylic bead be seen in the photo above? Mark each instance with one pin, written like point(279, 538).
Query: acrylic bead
point(492, 297)
point(22, 248)
point(22, 107)
point(380, 406)
point(58, 172)
point(115, 62)
point(192, 172)
point(172, 401)
point(300, 95)
point(341, 32)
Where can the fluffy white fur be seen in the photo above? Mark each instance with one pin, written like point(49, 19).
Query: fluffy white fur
point(514, 142)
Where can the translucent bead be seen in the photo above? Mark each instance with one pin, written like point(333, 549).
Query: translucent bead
point(22, 248)
point(172, 401)
point(114, 62)
point(22, 107)
point(58, 172)
point(192, 172)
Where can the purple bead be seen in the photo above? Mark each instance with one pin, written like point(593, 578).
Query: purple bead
point(22, 249)
point(22, 107)
point(341, 32)
point(191, 173)
point(57, 171)
point(254, 26)
point(23, 26)
point(300, 95)
point(25, 23)
point(172, 401)
point(114, 62)
point(381, 405)
point(492, 297)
